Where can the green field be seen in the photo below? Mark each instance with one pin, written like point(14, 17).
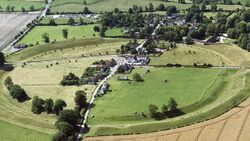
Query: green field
point(11, 132)
point(151, 91)
point(114, 32)
point(55, 33)
point(81, 46)
point(18, 4)
point(187, 55)
point(64, 21)
point(107, 5)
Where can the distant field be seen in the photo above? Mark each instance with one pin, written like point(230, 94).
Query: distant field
point(187, 55)
point(93, 45)
point(151, 91)
point(11, 132)
point(18, 4)
point(107, 5)
point(55, 33)
point(114, 32)
point(64, 21)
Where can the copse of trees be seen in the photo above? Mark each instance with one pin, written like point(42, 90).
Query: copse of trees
point(2, 59)
point(168, 110)
point(80, 100)
point(67, 124)
point(70, 79)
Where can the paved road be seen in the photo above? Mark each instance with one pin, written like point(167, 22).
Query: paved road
point(120, 61)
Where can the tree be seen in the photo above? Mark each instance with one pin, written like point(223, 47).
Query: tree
point(8, 8)
point(45, 37)
point(65, 127)
point(151, 7)
point(189, 40)
point(214, 7)
point(130, 11)
point(161, 7)
point(203, 7)
point(59, 105)
point(80, 100)
point(137, 77)
point(65, 33)
point(8, 82)
point(81, 22)
point(165, 109)
point(48, 105)
point(18, 93)
point(86, 11)
point(71, 21)
point(37, 106)
point(172, 104)
point(60, 136)
point(23, 9)
point(70, 116)
point(96, 28)
point(152, 110)
point(12, 8)
point(32, 8)
point(52, 21)
point(2, 59)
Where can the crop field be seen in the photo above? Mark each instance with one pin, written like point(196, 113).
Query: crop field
point(11, 25)
point(107, 5)
point(153, 91)
point(187, 55)
point(55, 33)
point(26, 4)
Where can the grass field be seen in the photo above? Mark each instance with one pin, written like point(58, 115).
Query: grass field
point(55, 33)
point(91, 45)
point(11, 132)
point(187, 55)
point(18, 4)
point(114, 32)
point(107, 5)
point(64, 21)
point(151, 91)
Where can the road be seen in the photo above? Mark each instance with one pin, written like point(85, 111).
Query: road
point(120, 61)
point(153, 34)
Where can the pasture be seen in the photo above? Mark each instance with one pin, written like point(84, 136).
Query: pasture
point(64, 21)
point(133, 98)
point(55, 33)
point(11, 132)
point(187, 55)
point(19, 4)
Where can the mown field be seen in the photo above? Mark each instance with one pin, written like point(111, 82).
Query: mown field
point(11, 132)
point(136, 97)
point(108, 5)
point(64, 21)
point(114, 32)
point(55, 33)
point(26, 4)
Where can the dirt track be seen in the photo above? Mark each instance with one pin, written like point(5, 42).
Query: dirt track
point(231, 126)
point(11, 24)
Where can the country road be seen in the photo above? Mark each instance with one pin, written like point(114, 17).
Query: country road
point(120, 61)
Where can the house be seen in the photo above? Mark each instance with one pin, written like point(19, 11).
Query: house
point(123, 77)
point(138, 60)
point(104, 88)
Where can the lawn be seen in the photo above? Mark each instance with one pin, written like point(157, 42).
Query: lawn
point(187, 55)
point(11, 132)
point(107, 5)
point(114, 32)
point(18, 4)
point(55, 33)
point(186, 86)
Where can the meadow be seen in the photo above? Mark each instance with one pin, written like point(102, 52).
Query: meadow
point(133, 98)
point(114, 32)
point(55, 33)
point(26, 4)
point(11, 132)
